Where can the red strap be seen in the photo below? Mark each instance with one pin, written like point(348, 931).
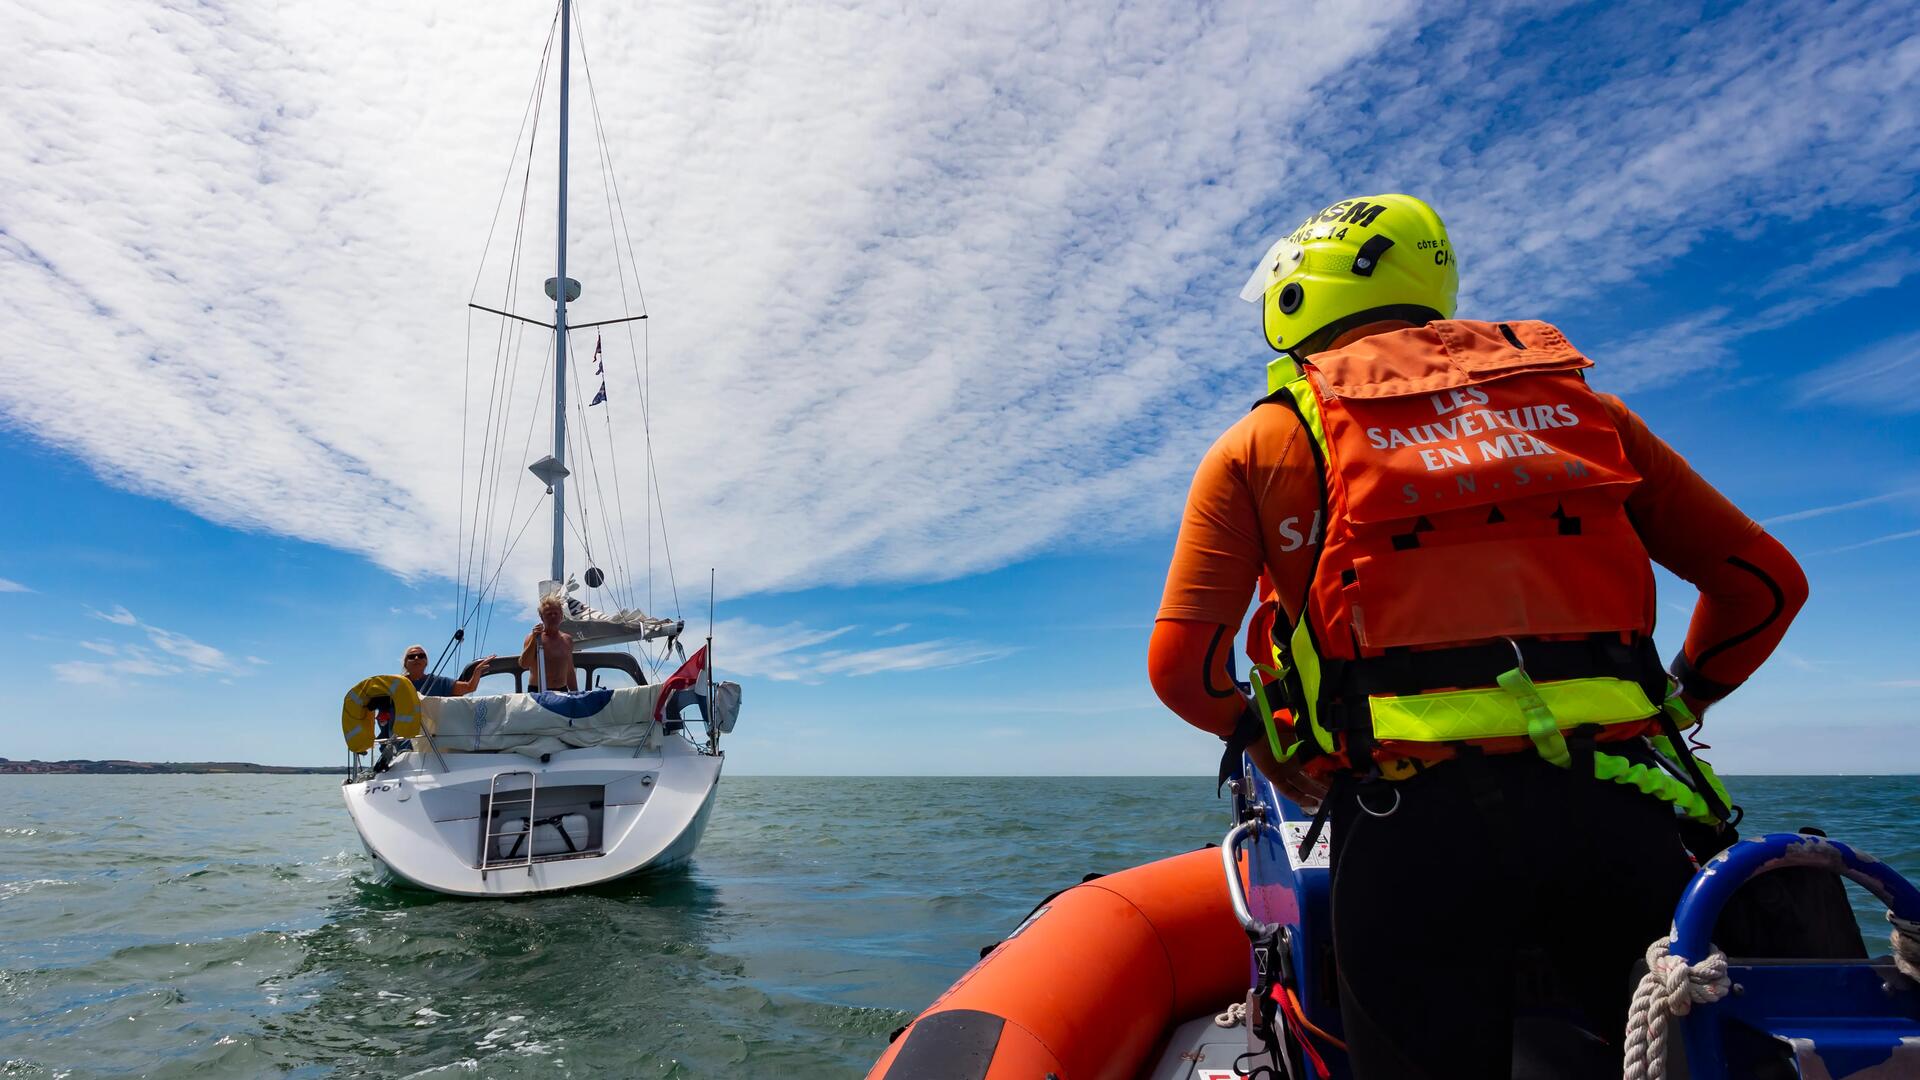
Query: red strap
point(1298, 1025)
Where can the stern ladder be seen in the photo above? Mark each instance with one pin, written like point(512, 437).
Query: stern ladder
point(490, 857)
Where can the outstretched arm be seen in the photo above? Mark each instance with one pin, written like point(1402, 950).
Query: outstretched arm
point(463, 687)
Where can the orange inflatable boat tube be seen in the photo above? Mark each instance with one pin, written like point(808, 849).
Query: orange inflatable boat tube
point(1089, 987)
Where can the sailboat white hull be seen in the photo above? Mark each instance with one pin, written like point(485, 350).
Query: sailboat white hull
point(430, 826)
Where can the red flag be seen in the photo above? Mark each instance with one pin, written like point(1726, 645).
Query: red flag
point(687, 677)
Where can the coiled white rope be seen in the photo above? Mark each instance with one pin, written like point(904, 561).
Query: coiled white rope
point(1235, 1013)
point(1671, 987)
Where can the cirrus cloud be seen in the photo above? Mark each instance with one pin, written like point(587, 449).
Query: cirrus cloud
point(931, 289)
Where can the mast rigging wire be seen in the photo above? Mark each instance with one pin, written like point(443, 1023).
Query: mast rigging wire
point(476, 590)
point(644, 382)
point(507, 343)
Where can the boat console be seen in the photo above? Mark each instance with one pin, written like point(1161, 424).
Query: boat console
point(1776, 1017)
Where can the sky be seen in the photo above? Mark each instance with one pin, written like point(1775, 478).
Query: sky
point(941, 315)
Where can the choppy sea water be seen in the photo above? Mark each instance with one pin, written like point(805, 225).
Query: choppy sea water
point(230, 926)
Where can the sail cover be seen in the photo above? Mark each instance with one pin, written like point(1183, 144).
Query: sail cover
point(545, 723)
point(535, 724)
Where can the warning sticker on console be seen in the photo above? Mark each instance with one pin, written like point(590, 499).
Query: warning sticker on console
point(1320, 858)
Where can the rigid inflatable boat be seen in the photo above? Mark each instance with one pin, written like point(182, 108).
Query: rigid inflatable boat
point(1218, 964)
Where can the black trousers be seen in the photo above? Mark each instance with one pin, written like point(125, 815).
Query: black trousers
point(1489, 866)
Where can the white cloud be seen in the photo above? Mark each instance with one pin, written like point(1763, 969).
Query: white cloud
point(917, 656)
point(1692, 129)
point(1905, 534)
point(1840, 507)
point(257, 661)
point(793, 653)
point(196, 655)
point(134, 662)
point(119, 616)
point(82, 673)
point(203, 657)
point(932, 288)
point(771, 652)
point(1884, 377)
point(424, 611)
point(12, 586)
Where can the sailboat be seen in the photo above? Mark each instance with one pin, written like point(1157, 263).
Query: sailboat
point(518, 787)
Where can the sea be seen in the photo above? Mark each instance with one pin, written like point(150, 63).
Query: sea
point(230, 926)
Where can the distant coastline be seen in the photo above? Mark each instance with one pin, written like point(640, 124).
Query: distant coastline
point(89, 767)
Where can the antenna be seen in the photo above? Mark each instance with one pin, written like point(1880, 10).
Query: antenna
point(713, 724)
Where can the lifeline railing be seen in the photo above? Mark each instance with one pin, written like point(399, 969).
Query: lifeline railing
point(357, 771)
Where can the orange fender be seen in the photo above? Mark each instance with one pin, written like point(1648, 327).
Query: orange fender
point(1088, 987)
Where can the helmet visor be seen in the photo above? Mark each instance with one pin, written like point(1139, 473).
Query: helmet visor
point(1281, 259)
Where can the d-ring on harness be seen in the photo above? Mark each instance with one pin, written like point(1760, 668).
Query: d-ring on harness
point(1360, 800)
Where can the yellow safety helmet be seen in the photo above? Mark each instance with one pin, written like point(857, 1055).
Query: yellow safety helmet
point(1360, 260)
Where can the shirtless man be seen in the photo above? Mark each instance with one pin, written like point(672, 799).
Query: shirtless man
point(557, 644)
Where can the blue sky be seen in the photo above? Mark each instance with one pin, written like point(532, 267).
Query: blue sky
point(942, 316)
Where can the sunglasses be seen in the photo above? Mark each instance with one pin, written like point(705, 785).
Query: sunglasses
point(416, 656)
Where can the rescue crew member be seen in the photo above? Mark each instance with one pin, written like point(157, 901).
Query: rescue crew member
point(556, 643)
point(1452, 536)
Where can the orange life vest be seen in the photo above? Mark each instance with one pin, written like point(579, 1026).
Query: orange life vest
point(1475, 493)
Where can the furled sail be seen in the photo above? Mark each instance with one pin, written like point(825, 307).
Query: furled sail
point(592, 627)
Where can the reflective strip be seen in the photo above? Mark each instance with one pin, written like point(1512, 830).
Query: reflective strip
point(1309, 404)
point(1455, 715)
point(1306, 664)
point(1306, 661)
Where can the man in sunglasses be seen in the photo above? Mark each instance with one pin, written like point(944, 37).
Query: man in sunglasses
point(415, 665)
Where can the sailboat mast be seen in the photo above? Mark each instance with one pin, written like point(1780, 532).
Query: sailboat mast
point(560, 317)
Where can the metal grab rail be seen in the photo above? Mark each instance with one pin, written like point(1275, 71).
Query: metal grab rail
point(1256, 930)
point(488, 861)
